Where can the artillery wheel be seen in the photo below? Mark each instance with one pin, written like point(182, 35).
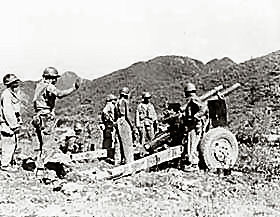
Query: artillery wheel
point(219, 148)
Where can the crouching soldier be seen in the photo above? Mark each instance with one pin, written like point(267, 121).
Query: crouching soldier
point(44, 103)
point(10, 120)
point(74, 140)
point(195, 118)
point(107, 117)
point(71, 142)
point(146, 119)
point(124, 144)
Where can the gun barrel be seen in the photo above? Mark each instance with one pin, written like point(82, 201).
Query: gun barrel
point(206, 95)
point(158, 141)
point(226, 91)
point(211, 92)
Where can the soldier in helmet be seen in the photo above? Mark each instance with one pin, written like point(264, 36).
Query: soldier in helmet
point(44, 103)
point(107, 126)
point(123, 147)
point(73, 139)
point(10, 120)
point(195, 116)
point(146, 119)
point(81, 141)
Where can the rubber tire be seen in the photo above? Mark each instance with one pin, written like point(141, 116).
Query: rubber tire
point(208, 153)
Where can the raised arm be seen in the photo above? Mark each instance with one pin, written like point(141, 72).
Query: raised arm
point(63, 93)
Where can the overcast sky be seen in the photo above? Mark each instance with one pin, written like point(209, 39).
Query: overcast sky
point(93, 38)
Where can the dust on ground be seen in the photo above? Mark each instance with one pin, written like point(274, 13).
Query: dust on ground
point(248, 191)
point(170, 192)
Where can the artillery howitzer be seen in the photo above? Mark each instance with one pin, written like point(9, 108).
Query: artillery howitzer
point(218, 146)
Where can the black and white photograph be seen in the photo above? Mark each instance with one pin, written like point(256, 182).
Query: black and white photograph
point(151, 108)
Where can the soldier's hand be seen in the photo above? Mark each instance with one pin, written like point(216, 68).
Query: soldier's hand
point(77, 84)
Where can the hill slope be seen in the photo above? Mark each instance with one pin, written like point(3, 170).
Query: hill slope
point(165, 77)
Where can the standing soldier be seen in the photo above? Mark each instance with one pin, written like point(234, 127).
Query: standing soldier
point(44, 103)
point(107, 117)
point(195, 117)
point(10, 120)
point(146, 119)
point(123, 147)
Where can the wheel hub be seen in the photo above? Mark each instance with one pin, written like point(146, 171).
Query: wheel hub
point(222, 149)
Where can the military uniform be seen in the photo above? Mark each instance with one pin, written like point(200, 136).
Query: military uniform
point(44, 103)
point(107, 118)
point(10, 121)
point(44, 120)
point(195, 117)
point(145, 118)
point(124, 141)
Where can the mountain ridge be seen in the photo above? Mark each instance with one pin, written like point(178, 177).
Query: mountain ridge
point(165, 77)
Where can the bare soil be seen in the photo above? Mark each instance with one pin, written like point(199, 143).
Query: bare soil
point(168, 192)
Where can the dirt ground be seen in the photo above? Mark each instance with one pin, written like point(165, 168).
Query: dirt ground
point(168, 192)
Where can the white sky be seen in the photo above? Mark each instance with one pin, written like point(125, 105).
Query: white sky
point(93, 38)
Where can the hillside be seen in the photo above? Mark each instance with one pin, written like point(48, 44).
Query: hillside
point(252, 189)
point(165, 77)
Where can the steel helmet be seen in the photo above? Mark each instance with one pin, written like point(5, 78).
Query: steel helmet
point(10, 78)
point(111, 97)
point(146, 95)
point(190, 87)
point(78, 126)
point(51, 72)
point(124, 91)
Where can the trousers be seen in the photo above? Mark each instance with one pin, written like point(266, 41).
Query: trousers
point(109, 140)
point(44, 124)
point(8, 144)
point(146, 133)
point(193, 139)
point(124, 142)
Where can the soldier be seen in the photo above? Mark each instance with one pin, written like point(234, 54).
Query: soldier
point(73, 140)
point(44, 103)
point(82, 141)
point(10, 120)
point(107, 117)
point(123, 147)
point(146, 119)
point(195, 116)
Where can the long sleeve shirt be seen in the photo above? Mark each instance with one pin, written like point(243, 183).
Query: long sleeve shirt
point(10, 108)
point(145, 114)
point(108, 114)
point(195, 111)
point(122, 111)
